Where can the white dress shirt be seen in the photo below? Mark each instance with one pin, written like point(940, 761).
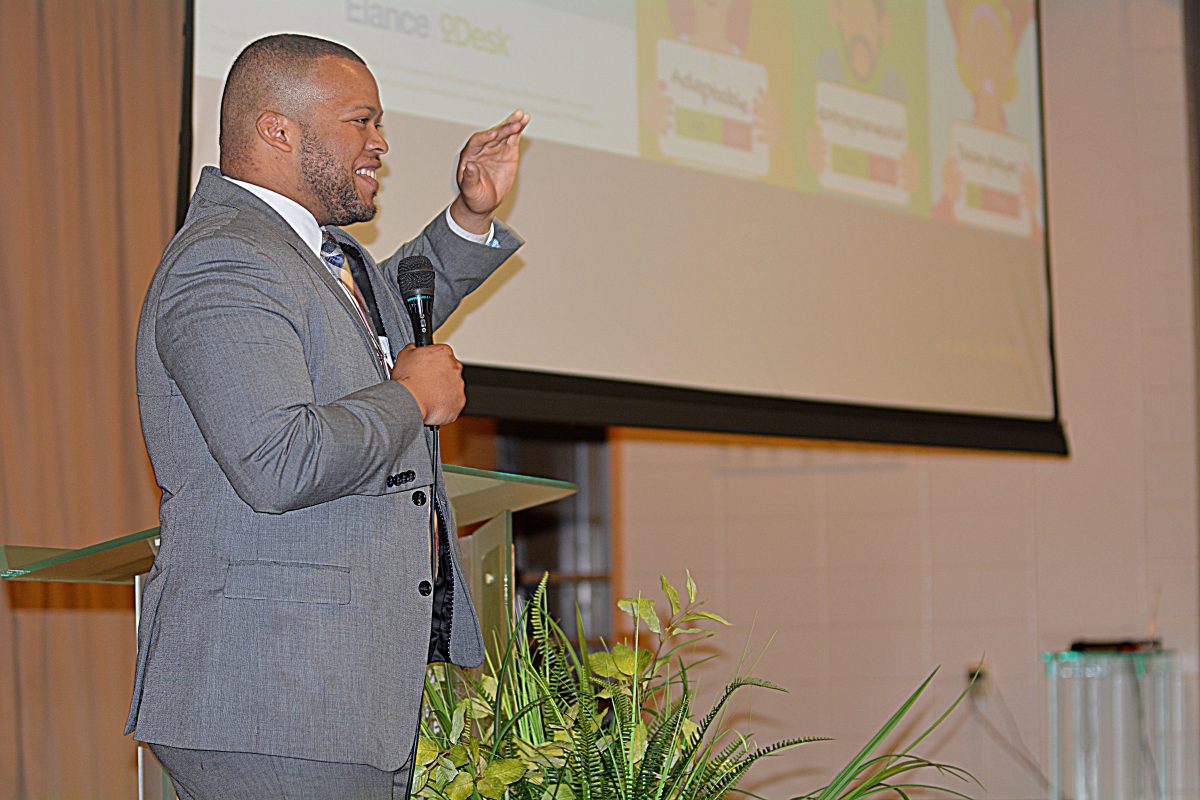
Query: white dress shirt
point(305, 225)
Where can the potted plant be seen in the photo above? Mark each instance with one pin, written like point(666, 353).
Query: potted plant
point(551, 719)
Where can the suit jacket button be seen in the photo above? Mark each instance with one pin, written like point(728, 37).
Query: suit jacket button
point(425, 588)
point(418, 498)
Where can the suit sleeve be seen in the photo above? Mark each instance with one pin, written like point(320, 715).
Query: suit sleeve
point(460, 266)
point(231, 334)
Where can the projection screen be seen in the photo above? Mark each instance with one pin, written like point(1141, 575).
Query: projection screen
point(821, 218)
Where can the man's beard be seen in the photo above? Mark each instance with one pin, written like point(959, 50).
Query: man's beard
point(331, 185)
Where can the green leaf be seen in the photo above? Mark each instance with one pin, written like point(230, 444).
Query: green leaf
point(603, 664)
point(672, 595)
point(505, 770)
point(854, 767)
point(645, 610)
point(427, 751)
point(480, 708)
point(637, 747)
point(561, 791)
point(459, 722)
point(629, 662)
point(711, 616)
point(420, 780)
point(691, 587)
point(555, 754)
point(662, 749)
point(689, 729)
point(458, 756)
point(490, 788)
point(461, 787)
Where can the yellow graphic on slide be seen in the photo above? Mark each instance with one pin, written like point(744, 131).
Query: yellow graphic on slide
point(989, 172)
point(860, 144)
point(864, 122)
point(992, 177)
point(713, 84)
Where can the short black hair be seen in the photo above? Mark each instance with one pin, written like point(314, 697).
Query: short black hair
point(268, 73)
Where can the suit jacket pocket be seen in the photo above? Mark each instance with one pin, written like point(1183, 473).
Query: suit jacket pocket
point(288, 581)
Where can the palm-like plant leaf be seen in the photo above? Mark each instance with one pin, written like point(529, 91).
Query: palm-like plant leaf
point(661, 743)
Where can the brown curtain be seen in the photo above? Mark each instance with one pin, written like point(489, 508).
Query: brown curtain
point(90, 92)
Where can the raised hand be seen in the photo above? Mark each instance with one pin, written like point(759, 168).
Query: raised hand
point(487, 169)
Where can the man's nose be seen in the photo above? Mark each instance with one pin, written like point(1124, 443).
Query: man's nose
point(377, 143)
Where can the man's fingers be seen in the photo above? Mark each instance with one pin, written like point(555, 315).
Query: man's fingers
point(500, 134)
point(514, 127)
point(434, 378)
point(518, 118)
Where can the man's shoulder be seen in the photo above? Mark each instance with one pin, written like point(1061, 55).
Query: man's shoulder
point(217, 230)
point(225, 249)
point(222, 213)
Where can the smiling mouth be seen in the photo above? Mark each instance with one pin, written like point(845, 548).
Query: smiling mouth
point(368, 176)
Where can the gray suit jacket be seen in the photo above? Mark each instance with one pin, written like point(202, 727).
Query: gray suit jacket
point(288, 611)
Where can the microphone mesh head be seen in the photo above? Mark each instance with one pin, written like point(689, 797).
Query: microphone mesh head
point(415, 275)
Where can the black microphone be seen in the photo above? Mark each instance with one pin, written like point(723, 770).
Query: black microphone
point(415, 275)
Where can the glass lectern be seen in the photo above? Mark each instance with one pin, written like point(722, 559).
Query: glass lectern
point(478, 496)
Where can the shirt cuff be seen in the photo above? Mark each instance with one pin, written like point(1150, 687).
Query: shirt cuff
point(477, 238)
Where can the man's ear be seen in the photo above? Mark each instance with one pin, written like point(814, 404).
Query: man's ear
point(277, 130)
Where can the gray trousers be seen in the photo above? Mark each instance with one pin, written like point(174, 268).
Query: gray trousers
point(217, 775)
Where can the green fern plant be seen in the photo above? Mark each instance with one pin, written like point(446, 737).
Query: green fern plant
point(551, 719)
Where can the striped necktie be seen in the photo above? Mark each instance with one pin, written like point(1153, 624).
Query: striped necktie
point(339, 267)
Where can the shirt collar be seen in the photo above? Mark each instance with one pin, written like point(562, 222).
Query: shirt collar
point(297, 216)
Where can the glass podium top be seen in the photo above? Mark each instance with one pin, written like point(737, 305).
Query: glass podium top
point(476, 495)
point(479, 494)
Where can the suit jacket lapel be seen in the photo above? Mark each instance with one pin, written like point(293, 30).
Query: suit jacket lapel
point(214, 188)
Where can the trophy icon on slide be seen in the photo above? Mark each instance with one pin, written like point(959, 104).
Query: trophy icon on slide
point(706, 101)
point(863, 140)
point(989, 175)
point(713, 96)
point(990, 172)
point(860, 141)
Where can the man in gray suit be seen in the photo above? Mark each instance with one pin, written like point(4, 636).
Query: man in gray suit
point(308, 568)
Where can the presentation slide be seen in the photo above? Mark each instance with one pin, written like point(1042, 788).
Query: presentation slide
point(829, 200)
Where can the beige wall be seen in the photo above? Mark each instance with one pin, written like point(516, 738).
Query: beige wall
point(873, 565)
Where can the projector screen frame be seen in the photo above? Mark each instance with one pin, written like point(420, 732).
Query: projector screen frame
point(553, 398)
point(532, 396)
